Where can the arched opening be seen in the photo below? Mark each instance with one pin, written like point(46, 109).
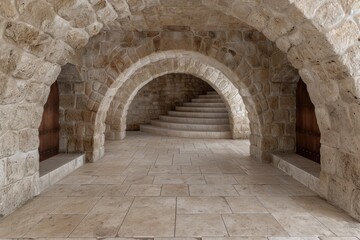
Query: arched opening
point(307, 129)
point(49, 128)
point(161, 95)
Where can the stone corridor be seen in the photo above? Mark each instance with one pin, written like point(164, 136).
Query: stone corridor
point(160, 187)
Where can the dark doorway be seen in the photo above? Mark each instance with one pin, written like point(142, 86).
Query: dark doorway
point(49, 127)
point(307, 129)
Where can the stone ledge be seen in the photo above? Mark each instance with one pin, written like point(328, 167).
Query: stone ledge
point(57, 167)
point(302, 169)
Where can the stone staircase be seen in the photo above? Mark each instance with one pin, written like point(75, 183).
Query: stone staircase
point(204, 117)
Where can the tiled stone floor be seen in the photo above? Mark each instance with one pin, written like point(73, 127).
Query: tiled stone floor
point(159, 187)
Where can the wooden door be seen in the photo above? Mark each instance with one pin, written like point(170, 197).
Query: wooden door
point(307, 129)
point(49, 127)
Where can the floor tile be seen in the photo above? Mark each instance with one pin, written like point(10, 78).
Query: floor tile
point(22, 220)
point(150, 217)
point(219, 179)
point(90, 190)
point(156, 170)
point(111, 179)
point(258, 179)
point(190, 169)
point(144, 190)
point(58, 225)
point(246, 204)
point(261, 190)
point(175, 190)
point(212, 190)
point(253, 225)
point(115, 190)
point(180, 179)
point(76, 205)
point(210, 169)
point(197, 205)
point(214, 186)
point(105, 218)
point(77, 179)
point(281, 204)
point(302, 225)
point(199, 225)
point(138, 179)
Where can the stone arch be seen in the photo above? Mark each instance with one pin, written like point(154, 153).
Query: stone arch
point(176, 61)
point(210, 74)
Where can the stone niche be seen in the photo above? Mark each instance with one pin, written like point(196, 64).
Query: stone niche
point(161, 95)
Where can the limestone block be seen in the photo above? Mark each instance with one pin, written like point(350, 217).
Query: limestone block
point(8, 9)
point(9, 142)
point(32, 163)
point(339, 191)
point(329, 14)
point(94, 28)
point(283, 43)
point(287, 144)
point(37, 13)
point(22, 117)
point(330, 138)
point(26, 66)
point(308, 7)
point(67, 101)
point(28, 38)
point(351, 59)
point(15, 195)
point(106, 14)
point(9, 58)
point(350, 143)
point(28, 139)
point(76, 38)
point(121, 7)
point(12, 90)
point(258, 20)
point(277, 27)
point(59, 53)
point(343, 36)
point(15, 168)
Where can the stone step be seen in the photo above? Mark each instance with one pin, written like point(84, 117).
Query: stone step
point(202, 109)
point(198, 120)
point(212, 93)
point(185, 133)
point(194, 104)
point(191, 126)
point(210, 96)
point(207, 100)
point(198, 114)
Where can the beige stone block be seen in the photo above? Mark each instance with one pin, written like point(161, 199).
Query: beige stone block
point(329, 14)
point(28, 139)
point(9, 142)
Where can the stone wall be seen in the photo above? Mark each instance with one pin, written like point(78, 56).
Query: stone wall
point(161, 95)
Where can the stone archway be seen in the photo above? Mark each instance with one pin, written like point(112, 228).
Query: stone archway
point(177, 61)
point(236, 109)
point(325, 49)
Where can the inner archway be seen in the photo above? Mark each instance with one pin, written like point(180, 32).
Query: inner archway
point(173, 99)
point(142, 72)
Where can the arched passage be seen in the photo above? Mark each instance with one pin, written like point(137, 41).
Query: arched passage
point(177, 61)
point(216, 79)
point(325, 49)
